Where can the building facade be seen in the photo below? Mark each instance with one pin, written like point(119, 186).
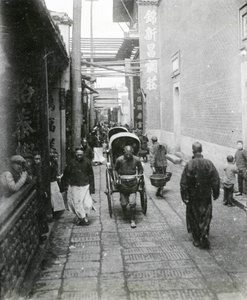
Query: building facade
point(33, 60)
point(197, 91)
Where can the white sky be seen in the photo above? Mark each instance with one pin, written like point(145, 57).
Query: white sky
point(103, 25)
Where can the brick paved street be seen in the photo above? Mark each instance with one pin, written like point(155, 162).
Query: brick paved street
point(109, 260)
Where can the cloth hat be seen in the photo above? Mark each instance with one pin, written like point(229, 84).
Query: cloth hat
point(154, 138)
point(17, 159)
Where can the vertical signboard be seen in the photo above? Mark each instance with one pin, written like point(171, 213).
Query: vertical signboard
point(149, 54)
point(138, 104)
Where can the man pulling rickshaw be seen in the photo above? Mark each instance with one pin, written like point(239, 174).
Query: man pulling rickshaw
point(126, 167)
point(124, 174)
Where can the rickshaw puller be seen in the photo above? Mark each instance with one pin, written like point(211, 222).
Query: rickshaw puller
point(128, 164)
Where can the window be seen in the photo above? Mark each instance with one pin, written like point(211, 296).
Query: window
point(176, 64)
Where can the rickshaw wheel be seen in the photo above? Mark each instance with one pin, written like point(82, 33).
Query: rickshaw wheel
point(143, 196)
point(109, 194)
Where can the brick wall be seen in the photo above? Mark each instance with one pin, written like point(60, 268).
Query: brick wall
point(207, 35)
point(19, 239)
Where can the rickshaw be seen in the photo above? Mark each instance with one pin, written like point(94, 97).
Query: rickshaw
point(111, 132)
point(115, 130)
point(116, 147)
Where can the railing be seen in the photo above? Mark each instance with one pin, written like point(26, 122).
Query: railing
point(19, 238)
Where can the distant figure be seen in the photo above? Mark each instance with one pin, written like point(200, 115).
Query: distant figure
point(104, 145)
point(158, 161)
point(57, 201)
point(153, 150)
point(199, 181)
point(87, 151)
point(241, 163)
point(78, 177)
point(229, 181)
point(14, 179)
point(160, 165)
point(130, 165)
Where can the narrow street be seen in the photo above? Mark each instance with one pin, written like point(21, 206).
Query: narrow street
point(109, 260)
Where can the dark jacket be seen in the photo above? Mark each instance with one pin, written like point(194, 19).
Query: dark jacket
point(200, 180)
point(153, 151)
point(160, 157)
point(241, 159)
point(78, 173)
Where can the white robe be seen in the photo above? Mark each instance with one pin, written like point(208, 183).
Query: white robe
point(57, 201)
point(80, 201)
point(98, 155)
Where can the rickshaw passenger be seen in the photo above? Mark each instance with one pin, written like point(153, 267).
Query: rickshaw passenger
point(128, 164)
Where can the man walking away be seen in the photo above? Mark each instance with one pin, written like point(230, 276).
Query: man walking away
point(199, 181)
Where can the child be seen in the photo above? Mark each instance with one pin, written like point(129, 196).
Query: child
point(229, 180)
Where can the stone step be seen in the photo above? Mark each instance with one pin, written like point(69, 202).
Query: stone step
point(174, 159)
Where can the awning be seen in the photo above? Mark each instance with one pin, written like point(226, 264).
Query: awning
point(84, 85)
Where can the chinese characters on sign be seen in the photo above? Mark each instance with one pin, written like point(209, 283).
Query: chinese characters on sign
point(138, 104)
point(150, 36)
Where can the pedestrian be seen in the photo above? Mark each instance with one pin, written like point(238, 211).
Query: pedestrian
point(153, 150)
point(79, 178)
point(57, 201)
point(158, 161)
point(160, 165)
point(104, 145)
point(129, 165)
point(87, 151)
point(42, 198)
point(229, 179)
point(241, 163)
point(199, 181)
point(15, 178)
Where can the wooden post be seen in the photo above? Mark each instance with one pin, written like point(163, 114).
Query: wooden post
point(44, 133)
point(92, 114)
point(77, 113)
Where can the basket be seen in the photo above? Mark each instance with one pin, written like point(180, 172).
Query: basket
point(159, 180)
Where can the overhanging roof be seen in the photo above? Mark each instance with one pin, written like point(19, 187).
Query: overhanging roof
point(127, 48)
point(108, 49)
point(84, 85)
point(120, 8)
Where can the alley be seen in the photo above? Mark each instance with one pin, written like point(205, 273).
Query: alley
point(109, 260)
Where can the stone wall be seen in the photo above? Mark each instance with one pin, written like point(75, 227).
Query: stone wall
point(19, 238)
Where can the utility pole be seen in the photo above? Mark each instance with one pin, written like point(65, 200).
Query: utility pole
point(92, 112)
point(77, 113)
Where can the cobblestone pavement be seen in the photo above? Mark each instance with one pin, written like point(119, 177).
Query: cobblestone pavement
point(109, 260)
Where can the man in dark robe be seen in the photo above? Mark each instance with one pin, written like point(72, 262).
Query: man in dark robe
point(78, 178)
point(200, 180)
